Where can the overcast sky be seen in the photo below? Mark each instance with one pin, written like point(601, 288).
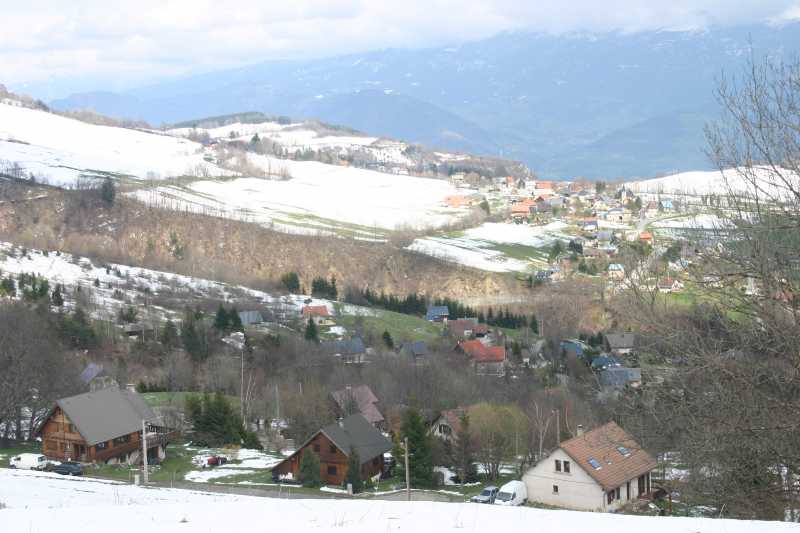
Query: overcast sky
point(129, 42)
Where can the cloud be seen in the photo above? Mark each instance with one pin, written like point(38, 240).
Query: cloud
point(150, 39)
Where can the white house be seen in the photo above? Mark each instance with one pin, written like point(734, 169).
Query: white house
point(600, 470)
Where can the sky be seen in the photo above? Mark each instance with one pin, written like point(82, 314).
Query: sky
point(126, 43)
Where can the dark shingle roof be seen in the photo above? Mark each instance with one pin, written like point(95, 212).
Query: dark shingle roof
point(620, 341)
point(437, 311)
point(364, 398)
point(618, 377)
point(356, 433)
point(415, 349)
point(352, 346)
point(91, 371)
point(107, 413)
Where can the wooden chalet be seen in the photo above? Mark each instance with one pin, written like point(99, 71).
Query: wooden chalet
point(333, 444)
point(103, 426)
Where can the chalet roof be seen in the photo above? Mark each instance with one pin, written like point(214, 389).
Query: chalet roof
point(364, 398)
point(356, 433)
point(354, 346)
point(620, 341)
point(91, 371)
point(481, 353)
point(107, 413)
point(437, 311)
point(619, 376)
point(453, 418)
point(415, 349)
point(250, 317)
point(616, 456)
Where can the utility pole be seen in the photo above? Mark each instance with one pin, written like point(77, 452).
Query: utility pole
point(408, 474)
point(558, 427)
point(144, 451)
point(241, 388)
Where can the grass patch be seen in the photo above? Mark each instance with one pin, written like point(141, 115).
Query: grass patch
point(177, 399)
point(7, 453)
point(401, 327)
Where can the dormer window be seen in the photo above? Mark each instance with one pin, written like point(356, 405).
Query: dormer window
point(595, 463)
point(625, 452)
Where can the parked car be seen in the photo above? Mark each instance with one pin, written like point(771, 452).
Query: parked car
point(512, 493)
point(28, 461)
point(216, 460)
point(67, 468)
point(487, 495)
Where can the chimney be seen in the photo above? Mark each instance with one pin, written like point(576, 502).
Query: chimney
point(580, 429)
point(130, 387)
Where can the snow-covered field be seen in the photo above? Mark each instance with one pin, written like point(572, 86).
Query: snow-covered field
point(699, 183)
point(60, 149)
point(40, 502)
point(482, 247)
point(250, 462)
point(318, 199)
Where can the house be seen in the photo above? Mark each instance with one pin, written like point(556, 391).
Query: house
point(318, 313)
point(601, 362)
point(651, 210)
point(417, 352)
point(646, 237)
point(604, 237)
point(464, 328)
point(600, 470)
point(668, 285)
point(350, 350)
point(666, 205)
point(486, 360)
point(103, 426)
point(95, 377)
point(437, 313)
point(522, 210)
point(447, 425)
point(361, 399)
point(251, 318)
point(619, 343)
point(616, 271)
point(333, 444)
point(590, 226)
point(619, 377)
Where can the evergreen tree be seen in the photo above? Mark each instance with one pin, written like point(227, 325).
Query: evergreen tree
point(311, 331)
point(291, 282)
point(108, 191)
point(309, 475)
point(169, 335)
point(234, 320)
point(534, 324)
point(387, 339)
point(354, 472)
point(419, 449)
point(222, 320)
point(191, 338)
point(8, 287)
point(57, 298)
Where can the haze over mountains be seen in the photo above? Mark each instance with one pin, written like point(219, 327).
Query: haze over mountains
point(602, 105)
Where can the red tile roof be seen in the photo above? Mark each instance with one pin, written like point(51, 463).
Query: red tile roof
point(617, 456)
point(481, 353)
point(315, 310)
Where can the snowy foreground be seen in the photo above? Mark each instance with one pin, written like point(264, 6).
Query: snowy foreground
point(42, 502)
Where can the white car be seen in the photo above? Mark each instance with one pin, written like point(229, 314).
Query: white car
point(28, 461)
point(512, 493)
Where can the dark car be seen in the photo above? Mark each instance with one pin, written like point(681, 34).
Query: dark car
point(487, 495)
point(217, 460)
point(68, 468)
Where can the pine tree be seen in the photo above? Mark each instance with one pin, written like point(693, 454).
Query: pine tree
point(387, 339)
point(169, 335)
point(57, 298)
point(107, 191)
point(234, 320)
point(309, 475)
point(311, 331)
point(354, 472)
point(419, 448)
point(222, 320)
point(463, 450)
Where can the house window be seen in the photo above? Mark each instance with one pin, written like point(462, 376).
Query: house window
point(444, 429)
point(555, 489)
point(558, 465)
point(331, 470)
point(566, 467)
point(332, 448)
point(122, 440)
point(316, 448)
point(101, 445)
point(595, 463)
point(625, 452)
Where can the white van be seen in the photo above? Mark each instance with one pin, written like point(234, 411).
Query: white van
point(512, 493)
point(28, 461)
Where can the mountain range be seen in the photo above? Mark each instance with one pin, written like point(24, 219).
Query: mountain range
point(595, 105)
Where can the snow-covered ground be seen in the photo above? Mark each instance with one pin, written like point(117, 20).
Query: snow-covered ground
point(40, 502)
point(250, 462)
point(318, 199)
point(61, 149)
point(699, 183)
point(132, 283)
point(481, 247)
point(698, 221)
